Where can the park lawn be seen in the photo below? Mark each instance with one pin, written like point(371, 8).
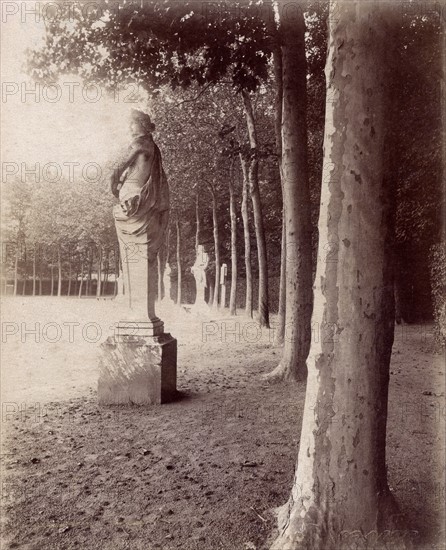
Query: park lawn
point(203, 472)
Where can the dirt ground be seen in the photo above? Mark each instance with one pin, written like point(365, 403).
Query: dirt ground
point(203, 472)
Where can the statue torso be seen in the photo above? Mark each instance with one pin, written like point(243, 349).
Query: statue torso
point(137, 174)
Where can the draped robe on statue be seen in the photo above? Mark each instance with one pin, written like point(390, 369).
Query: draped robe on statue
point(141, 219)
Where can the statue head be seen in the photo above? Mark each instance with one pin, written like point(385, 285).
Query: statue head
point(140, 123)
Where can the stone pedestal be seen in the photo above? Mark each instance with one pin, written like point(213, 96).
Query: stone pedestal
point(137, 369)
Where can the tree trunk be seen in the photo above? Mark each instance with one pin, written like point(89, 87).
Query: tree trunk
point(82, 279)
point(34, 270)
point(197, 222)
point(233, 217)
point(76, 278)
point(99, 285)
point(296, 202)
point(106, 271)
point(117, 271)
point(25, 274)
point(179, 297)
point(247, 238)
point(277, 65)
point(340, 488)
point(160, 276)
point(69, 277)
point(279, 336)
point(59, 268)
point(40, 277)
point(167, 257)
point(16, 269)
point(253, 178)
point(216, 296)
point(90, 269)
point(52, 279)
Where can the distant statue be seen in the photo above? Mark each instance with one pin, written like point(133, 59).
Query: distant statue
point(167, 285)
point(141, 217)
point(199, 273)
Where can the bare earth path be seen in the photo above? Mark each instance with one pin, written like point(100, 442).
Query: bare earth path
point(203, 472)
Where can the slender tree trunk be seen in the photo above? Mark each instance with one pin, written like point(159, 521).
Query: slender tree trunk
point(247, 238)
point(160, 276)
point(76, 278)
point(69, 277)
point(25, 274)
point(117, 271)
point(40, 277)
point(179, 282)
point(216, 296)
point(296, 202)
point(59, 267)
point(167, 245)
point(90, 270)
point(340, 490)
point(106, 271)
point(52, 278)
point(233, 217)
point(34, 270)
point(99, 285)
point(253, 178)
point(16, 269)
point(279, 336)
point(277, 64)
point(197, 222)
point(82, 278)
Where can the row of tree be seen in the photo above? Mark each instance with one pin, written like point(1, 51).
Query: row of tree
point(375, 49)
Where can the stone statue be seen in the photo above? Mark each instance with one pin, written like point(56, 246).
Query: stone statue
point(199, 272)
point(141, 218)
point(138, 364)
point(167, 300)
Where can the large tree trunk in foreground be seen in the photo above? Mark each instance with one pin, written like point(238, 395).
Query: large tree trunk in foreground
point(247, 238)
point(233, 218)
point(253, 178)
point(178, 263)
point(296, 201)
point(340, 492)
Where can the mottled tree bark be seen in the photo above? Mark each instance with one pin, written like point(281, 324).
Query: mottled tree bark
point(340, 492)
point(296, 199)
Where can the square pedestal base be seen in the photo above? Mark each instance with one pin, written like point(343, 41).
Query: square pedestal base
point(137, 370)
